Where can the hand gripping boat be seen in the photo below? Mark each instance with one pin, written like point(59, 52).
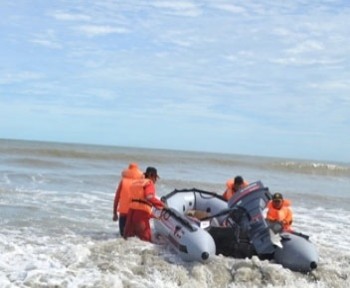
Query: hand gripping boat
point(237, 228)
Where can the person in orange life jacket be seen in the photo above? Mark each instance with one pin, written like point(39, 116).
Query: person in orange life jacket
point(279, 213)
point(143, 198)
point(122, 194)
point(234, 185)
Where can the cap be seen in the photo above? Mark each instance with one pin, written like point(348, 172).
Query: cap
point(238, 180)
point(277, 196)
point(151, 171)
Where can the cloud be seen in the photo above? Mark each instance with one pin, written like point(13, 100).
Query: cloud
point(309, 46)
point(47, 39)
point(18, 77)
point(64, 16)
point(100, 30)
point(334, 85)
point(305, 61)
point(178, 8)
point(231, 8)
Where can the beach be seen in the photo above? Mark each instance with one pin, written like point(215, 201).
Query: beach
point(57, 231)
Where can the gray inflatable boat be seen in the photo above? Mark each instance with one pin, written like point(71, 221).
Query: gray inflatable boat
point(237, 228)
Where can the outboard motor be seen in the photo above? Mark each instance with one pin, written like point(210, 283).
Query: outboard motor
point(253, 200)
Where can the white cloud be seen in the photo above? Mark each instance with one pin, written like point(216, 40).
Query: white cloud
point(304, 61)
point(183, 38)
point(17, 77)
point(64, 16)
point(179, 8)
point(47, 39)
point(100, 30)
point(334, 85)
point(231, 8)
point(47, 43)
point(308, 46)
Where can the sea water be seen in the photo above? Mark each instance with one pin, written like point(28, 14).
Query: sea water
point(56, 203)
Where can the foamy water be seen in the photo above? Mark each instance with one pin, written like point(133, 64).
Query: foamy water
point(57, 229)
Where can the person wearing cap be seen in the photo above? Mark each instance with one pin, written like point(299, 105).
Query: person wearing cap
point(234, 185)
point(143, 198)
point(122, 194)
point(279, 212)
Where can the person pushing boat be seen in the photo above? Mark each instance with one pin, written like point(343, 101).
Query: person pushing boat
point(122, 194)
point(143, 198)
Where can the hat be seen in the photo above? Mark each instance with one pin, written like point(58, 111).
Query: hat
point(151, 171)
point(277, 196)
point(238, 180)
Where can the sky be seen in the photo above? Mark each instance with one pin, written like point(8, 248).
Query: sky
point(264, 78)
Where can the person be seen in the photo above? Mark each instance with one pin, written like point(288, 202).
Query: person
point(279, 213)
point(122, 195)
point(143, 198)
point(234, 185)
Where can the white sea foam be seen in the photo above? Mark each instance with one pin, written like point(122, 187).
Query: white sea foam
point(70, 261)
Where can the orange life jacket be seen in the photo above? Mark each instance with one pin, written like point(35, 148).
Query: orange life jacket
point(122, 199)
point(137, 194)
point(284, 214)
point(230, 191)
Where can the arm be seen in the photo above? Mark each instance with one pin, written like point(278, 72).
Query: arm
point(150, 195)
point(156, 202)
point(225, 195)
point(289, 217)
point(116, 201)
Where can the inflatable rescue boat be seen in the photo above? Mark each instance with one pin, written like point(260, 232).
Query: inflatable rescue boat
point(199, 224)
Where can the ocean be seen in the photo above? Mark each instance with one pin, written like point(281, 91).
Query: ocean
point(57, 230)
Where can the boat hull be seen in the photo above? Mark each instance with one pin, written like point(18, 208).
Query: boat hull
point(189, 241)
point(297, 253)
